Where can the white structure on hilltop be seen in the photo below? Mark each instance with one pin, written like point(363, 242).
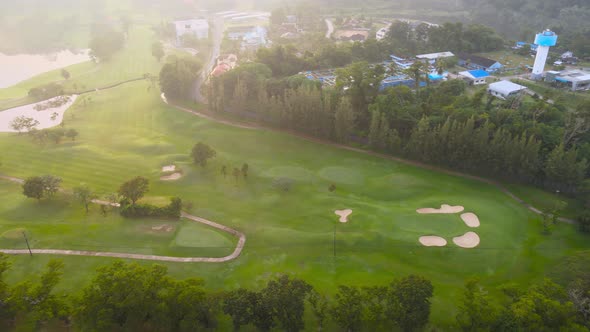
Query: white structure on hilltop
point(544, 40)
point(382, 33)
point(196, 27)
point(505, 89)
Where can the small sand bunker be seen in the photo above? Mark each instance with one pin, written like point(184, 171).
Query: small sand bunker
point(433, 241)
point(470, 219)
point(169, 168)
point(467, 240)
point(162, 228)
point(445, 208)
point(343, 214)
point(171, 177)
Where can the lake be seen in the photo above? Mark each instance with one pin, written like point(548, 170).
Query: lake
point(20, 67)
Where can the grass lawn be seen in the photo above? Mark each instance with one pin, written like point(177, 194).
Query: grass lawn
point(546, 201)
point(61, 223)
point(128, 131)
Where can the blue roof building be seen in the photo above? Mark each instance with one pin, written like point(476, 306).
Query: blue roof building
point(474, 77)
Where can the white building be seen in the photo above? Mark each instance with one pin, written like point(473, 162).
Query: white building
point(382, 33)
point(474, 77)
point(432, 57)
point(196, 27)
point(505, 89)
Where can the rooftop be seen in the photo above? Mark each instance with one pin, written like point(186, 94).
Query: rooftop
point(433, 56)
point(506, 87)
point(574, 75)
point(474, 74)
point(476, 59)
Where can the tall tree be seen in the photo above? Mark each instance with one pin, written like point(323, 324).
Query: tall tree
point(287, 297)
point(134, 189)
point(85, 195)
point(409, 302)
point(202, 152)
point(347, 308)
point(344, 121)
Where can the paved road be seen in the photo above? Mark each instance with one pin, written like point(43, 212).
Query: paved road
point(217, 38)
point(237, 251)
point(330, 26)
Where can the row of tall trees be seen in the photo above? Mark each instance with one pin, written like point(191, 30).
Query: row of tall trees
point(133, 297)
point(522, 140)
point(455, 37)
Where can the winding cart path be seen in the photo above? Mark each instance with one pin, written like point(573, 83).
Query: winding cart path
point(237, 251)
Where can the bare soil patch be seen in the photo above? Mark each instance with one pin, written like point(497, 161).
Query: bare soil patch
point(171, 177)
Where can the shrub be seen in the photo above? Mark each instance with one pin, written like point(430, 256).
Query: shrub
point(332, 187)
point(171, 210)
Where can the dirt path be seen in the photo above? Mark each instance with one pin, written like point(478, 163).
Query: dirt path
point(239, 124)
point(237, 251)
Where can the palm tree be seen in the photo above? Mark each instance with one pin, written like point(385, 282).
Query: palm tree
point(418, 71)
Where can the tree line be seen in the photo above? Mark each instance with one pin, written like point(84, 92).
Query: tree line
point(520, 140)
point(133, 297)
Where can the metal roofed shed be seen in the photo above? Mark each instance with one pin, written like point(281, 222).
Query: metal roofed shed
point(474, 77)
point(575, 79)
point(505, 89)
point(432, 57)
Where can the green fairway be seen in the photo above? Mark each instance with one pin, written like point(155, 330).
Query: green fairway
point(128, 131)
point(59, 224)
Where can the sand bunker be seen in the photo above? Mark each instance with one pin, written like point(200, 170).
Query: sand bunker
point(171, 177)
point(162, 228)
point(46, 118)
point(467, 240)
point(343, 214)
point(169, 168)
point(433, 241)
point(443, 209)
point(470, 219)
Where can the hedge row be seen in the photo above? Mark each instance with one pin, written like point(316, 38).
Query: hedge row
point(171, 210)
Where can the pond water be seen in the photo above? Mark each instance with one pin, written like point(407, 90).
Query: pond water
point(46, 118)
point(20, 67)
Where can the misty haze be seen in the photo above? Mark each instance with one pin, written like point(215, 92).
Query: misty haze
point(265, 165)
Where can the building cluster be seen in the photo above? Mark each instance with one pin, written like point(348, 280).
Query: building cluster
point(251, 37)
point(225, 63)
point(199, 28)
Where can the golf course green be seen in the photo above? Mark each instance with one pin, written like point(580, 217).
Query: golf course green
point(129, 131)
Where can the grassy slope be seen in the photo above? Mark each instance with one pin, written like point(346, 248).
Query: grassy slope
point(128, 131)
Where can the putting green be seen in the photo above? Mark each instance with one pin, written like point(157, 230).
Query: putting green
point(192, 234)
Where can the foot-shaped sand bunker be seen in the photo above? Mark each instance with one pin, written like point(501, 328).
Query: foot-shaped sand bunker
point(445, 208)
point(470, 219)
point(343, 214)
point(433, 241)
point(467, 240)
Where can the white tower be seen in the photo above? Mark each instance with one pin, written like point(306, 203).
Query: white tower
point(544, 40)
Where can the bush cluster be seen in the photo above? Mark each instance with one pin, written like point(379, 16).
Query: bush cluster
point(171, 210)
